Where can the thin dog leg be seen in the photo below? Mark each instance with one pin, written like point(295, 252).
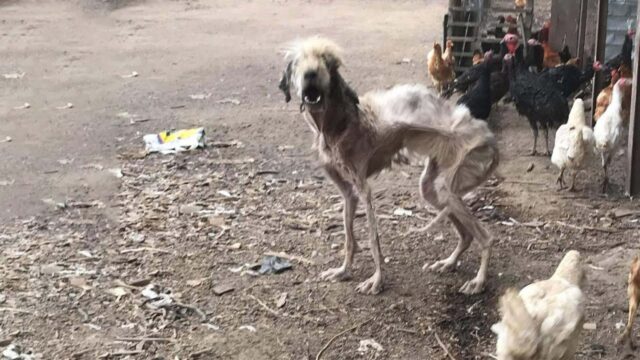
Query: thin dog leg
point(477, 232)
point(463, 244)
point(349, 209)
point(372, 285)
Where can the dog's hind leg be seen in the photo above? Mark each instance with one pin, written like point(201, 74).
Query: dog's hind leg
point(473, 227)
point(349, 209)
point(464, 241)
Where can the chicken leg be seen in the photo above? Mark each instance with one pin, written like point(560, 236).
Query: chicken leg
point(546, 140)
point(534, 128)
point(573, 181)
point(560, 180)
point(606, 159)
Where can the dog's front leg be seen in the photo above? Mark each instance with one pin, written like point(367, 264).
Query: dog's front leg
point(349, 210)
point(372, 285)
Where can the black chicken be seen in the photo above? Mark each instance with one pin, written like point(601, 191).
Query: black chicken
point(535, 55)
point(625, 54)
point(468, 78)
point(538, 100)
point(499, 83)
point(565, 54)
point(478, 99)
point(568, 78)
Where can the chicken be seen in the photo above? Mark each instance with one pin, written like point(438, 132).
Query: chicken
point(467, 79)
point(440, 71)
point(477, 57)
point(608, 130)
point(574, 141)
point(521, 3)
point(478, 99)
point(535, 55)
point(448, 54)
point(633, 291)
point(565, 55)
point(500, 83)
point(624, 57)
point(569, 78)
point(544, 320)
point(551, 58)
point(604, 96)
point(537, 98)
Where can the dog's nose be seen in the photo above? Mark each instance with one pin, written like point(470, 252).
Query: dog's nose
point(310, 75)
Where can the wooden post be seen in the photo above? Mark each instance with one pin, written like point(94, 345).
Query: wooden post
point(633, 170)
point(601, 44)
point(582, 29)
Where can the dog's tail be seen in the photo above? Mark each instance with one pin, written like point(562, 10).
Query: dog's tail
point(518, 334)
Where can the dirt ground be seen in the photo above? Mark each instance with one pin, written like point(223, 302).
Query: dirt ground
point(77, 270)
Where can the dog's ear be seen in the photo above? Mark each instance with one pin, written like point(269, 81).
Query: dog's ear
point(339, 85)
point(332, 61)
point(285, 82)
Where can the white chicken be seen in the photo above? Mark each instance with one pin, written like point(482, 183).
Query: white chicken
point(609, 130)
point(544, 320)
point(574, 142)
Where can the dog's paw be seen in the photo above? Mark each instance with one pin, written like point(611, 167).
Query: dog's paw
point(472, 287)
point(372, 285)
point(335, 274)
point(440, 266)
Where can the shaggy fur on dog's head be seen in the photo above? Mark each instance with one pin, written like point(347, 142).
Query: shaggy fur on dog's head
point(312, 71)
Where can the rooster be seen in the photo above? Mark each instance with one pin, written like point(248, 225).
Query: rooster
point(633, 291)
point(440, 71)
point(544, 320)
point(574, 140)
point(608, 130)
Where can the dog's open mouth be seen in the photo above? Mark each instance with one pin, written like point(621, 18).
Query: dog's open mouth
point(312, 96)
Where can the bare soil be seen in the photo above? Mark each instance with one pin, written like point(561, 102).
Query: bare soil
point(73, 270)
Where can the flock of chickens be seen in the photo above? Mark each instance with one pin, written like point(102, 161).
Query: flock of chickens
point(544, 320)
point(541, 85)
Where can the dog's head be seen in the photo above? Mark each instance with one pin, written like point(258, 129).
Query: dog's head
point(311, 65)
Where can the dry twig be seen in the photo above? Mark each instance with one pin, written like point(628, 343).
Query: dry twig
point(326, 346)
point(583, 228)
point(290, 257)
point(443, 346)
point(265, 306)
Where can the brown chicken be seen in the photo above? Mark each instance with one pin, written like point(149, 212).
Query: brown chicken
point(604, 97)
point(448, 54)
point(521, 3)
point(633, 290)
point(551, 57)
point(477, 58)
point(440, 71)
